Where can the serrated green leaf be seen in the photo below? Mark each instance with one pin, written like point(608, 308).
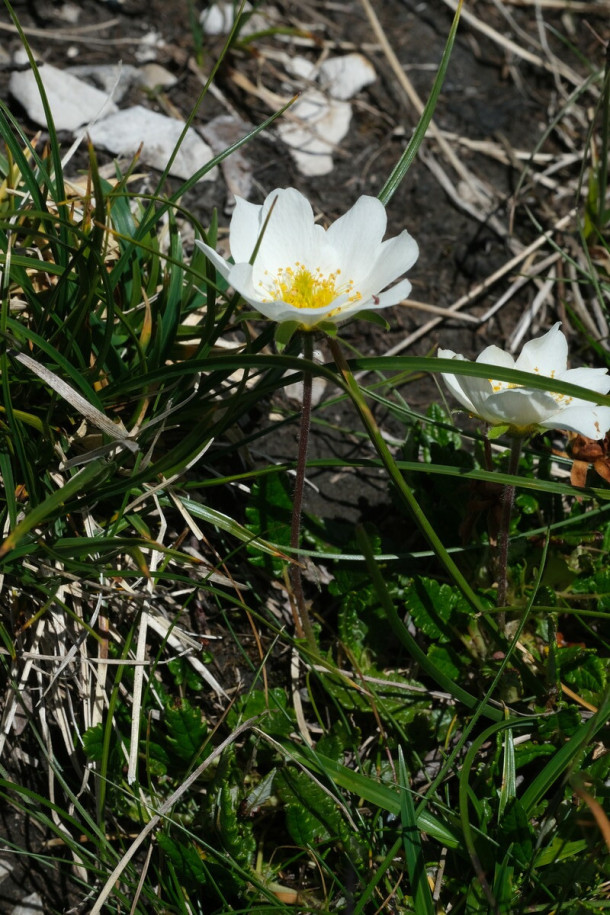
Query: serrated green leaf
point(311, 815)
point(93, 742)
point(584, 671)
point(184, 674)
point(235, 832)
point(432, 605)
point(441, 430)
point(186, 729)
point(186, 857)
point(273, 704)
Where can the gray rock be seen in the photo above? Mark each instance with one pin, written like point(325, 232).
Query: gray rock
point(31, 905)
point(222, 132)
point(123, 132)
point(113, 79)
point(72, 101)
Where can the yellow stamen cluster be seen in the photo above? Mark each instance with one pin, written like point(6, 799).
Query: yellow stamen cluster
point(497, 386)
point(303, 288)
point(561, 399)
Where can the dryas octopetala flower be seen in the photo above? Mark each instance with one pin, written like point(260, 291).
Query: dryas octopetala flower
point(526, 410)
point(303, 273)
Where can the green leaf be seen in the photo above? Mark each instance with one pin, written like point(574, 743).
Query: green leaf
point(412, 844)
point(527, 503)
point(184, 675)
point(93, 742)
point(584, 671)
point(508, 791)
point(311, 815)
point(515, 831)
point(371, 790)
point(432, 606)
point(86, 479)
point(186, 729)
point(446, 660)
point(498, 431)
point(273, 704)
point(284, 333)
point(441, 429)
point(269, 515)
point(235, 833)
point(186, 857)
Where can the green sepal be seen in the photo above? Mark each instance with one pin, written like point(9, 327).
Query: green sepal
point(498, 431)
point(284, 333)
point(327, 327)
point(373, 317)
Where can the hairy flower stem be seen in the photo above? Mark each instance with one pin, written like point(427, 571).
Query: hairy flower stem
point(302, 619)
point(508, 498)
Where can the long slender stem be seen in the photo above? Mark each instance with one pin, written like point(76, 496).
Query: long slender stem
point(397, 478)
point(302, 619)
point(508, 498)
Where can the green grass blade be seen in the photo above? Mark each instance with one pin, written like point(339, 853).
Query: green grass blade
point(565, 757)
point(402, 166)
point(370, 790)
point(89, 476)
point(398, 479)
point(414, 853)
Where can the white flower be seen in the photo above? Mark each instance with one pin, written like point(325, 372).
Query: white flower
point(304, 273)
point(524, 409)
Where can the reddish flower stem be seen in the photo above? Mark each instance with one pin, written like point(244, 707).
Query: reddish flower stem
point(508, 499)
point(302, 619)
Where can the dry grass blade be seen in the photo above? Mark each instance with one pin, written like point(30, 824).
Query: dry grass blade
point(115, 430)
point(480, 289)
point(518, 50)
point(478, 190)
point(164, 810)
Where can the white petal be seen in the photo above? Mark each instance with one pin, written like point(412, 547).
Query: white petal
point(592, 379)
point(454, 382)
point(395, 257)
point(493, 355)
point(246, 225)
point(342, 308)
point(546, 355)
point(478, 391)
point(520, 407)
point(212, 255)
point(357, 234)
point(282, 311)
point(290, 234)
point(391, 296)
point(589, 420)
point(240, 278)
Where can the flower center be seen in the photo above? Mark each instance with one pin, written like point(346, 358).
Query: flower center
point(562, 400)
point(303, 288)
point(498, 386)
